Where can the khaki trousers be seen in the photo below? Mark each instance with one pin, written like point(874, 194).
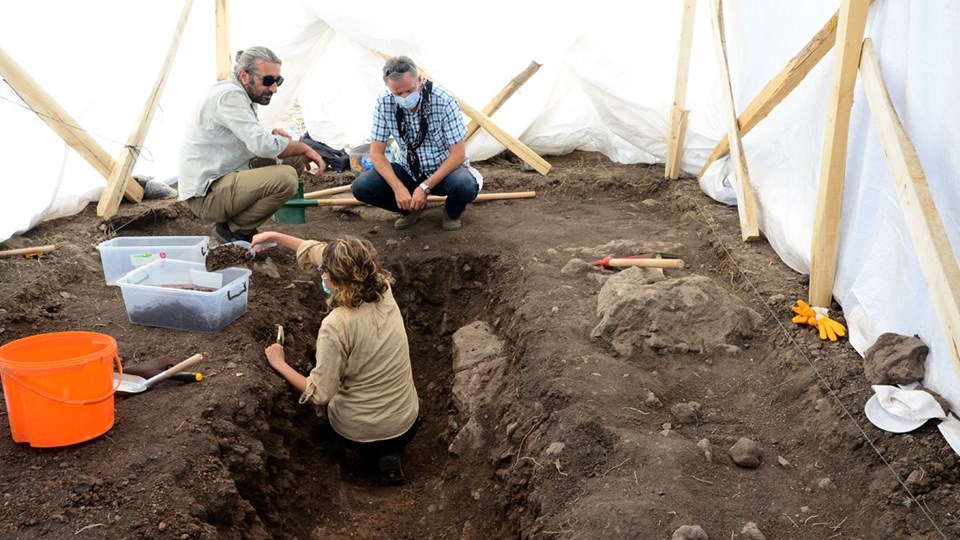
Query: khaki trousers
point(244, 200)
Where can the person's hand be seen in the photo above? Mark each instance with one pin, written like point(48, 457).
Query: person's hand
point(418, 200)
point(310, 156)
point(261, 238)
point(275, 356)
point(404, 199)
point(282, 133)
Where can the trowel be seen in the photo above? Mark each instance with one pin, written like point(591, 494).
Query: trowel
point(127, 384)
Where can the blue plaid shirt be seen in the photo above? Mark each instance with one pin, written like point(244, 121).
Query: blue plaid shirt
point(444, 129)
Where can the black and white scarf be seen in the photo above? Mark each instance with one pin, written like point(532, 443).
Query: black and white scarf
point(413, 160)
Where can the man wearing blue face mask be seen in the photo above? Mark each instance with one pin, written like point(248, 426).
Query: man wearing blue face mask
point(427, 124)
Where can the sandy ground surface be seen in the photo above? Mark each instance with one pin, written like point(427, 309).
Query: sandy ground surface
point(605, 406)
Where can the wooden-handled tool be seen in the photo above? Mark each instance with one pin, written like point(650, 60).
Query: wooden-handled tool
point(647, 260)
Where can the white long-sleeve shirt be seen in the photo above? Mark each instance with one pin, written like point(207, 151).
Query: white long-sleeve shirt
point(222, 136)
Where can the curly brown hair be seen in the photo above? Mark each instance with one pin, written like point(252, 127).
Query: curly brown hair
point(353, 265)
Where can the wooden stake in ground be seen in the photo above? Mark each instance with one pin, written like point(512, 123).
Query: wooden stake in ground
point(62, 123)
point(498, 100)
point(678, 115)
point(826, 227)
point(746, 207)
point(937, 259)
point(110, 198)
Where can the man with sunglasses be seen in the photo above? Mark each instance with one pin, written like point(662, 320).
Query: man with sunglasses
point(229, 169)
point(427, 124)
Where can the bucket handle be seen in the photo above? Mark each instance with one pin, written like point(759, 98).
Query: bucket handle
point(116, 358)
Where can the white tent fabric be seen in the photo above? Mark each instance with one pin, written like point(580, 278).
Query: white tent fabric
point(606, 85)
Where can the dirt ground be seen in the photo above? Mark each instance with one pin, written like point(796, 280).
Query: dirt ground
point(609, 413)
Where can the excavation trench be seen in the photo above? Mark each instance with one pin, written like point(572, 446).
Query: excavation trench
point(300, 484)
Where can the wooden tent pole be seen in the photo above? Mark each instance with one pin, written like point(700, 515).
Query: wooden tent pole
point(678, 114)
point(110, 198)
point(224, 58)
point(498, 100)
point(826, 227)
point(746, 206)
point(62, 123)
point(780, 86)
point(937, 259)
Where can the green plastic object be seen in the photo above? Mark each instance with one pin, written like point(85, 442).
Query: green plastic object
point(293, 212)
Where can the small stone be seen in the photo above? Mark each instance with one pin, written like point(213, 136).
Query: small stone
point(776, 299)
point(392, 242)
point(466, 268)
point(162, 526)
point(707, 447)
point(746, 453)
point(783, 462)
point(805, 509)
point(555, 309)
point(426, 247)
point(690, 532)
point(231, 365)
point(751, 532)
point(555, 448)
point(825, 484)
point(65, 294)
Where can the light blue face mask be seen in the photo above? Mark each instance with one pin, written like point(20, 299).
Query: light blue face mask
point(323, 283)
point(408, 102)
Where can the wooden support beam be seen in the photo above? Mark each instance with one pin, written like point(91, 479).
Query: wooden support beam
point(508, 90)
point(746, 205)
point(350, 201)
point(62, 123)
point(512, 143)
point(122, 171)
point(826, 226)
point(677, 112)
point(224, 57)
point(780, 86)
point(937, 259)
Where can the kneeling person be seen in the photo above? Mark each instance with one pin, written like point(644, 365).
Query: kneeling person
point(363, 374)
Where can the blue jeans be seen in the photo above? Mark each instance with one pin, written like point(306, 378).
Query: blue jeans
point(460, 187)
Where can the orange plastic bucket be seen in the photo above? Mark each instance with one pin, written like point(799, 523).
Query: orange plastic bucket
point(59, 387)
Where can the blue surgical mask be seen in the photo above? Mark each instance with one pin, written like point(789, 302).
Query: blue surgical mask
point(323, 283)
point(409, 102)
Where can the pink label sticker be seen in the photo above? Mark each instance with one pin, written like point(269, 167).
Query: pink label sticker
point(163, 254)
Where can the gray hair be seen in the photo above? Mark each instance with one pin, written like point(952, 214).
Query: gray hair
point(398, 66)
point(248, 59)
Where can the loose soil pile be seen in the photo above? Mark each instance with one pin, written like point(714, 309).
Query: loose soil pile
point(227, 255)
point(561, 399)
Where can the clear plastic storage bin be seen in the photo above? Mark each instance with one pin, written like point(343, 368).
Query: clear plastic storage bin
point(124, 253)
point(184, 296)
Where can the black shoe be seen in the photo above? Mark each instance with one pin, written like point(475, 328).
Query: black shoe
point(390, 472)
point(222, 232)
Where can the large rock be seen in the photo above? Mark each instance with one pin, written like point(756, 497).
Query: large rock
point(895, 359)
point(689, 314)
point(478, 366)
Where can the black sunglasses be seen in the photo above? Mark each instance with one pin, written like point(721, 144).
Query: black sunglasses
point(268, 80)
point(400, 67)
